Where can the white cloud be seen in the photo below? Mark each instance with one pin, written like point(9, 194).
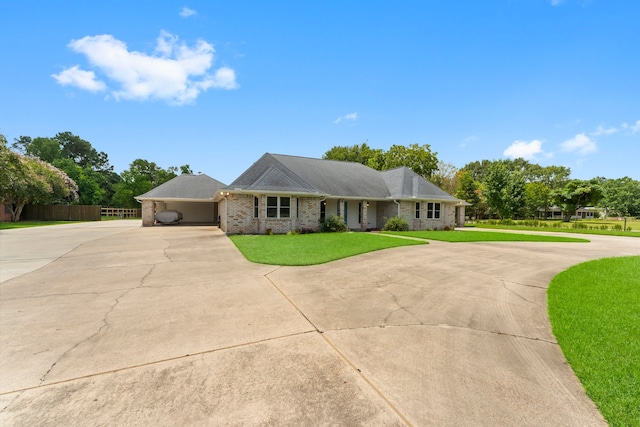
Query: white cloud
point(603, 131)
point(186, 12)
point(175, 72)
point(350, 116)
point(526, 150)
point(74, 76)
point(580, 143)
point(635, 128)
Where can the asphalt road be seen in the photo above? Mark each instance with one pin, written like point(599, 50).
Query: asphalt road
point(115, 324)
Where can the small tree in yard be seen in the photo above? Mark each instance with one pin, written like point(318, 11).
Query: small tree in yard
point(26, 180)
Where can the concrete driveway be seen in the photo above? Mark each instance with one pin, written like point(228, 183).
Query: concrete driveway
point(123, 325)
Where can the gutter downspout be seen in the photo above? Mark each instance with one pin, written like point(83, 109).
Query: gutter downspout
point(397, 203)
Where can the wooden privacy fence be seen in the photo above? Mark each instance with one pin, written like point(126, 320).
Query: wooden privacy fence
point(61, 213)
point(122, 212)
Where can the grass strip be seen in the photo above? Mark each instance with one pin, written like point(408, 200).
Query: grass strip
point(484, 236)
point(311, 249)
point(594, 309)
point(29, 224)
point(558, 230)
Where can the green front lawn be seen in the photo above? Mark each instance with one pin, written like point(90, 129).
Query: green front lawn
point(483, 236)
point(603, 228)
point(311, 249)
point(594, 309)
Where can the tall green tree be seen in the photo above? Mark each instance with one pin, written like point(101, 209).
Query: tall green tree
point(468, 190)
point(577, 194)
point(357, 153)
point(26, 180)
point(446, 177)
point(537, 198)
point(78, 159)
point(418, 158)
point(505, 190)
point(141, 177)
point(622, 197)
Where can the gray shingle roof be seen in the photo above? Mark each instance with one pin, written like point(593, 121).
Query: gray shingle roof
point(316, 176)
point(185, 187)
point(403, 183)
point(277, 172)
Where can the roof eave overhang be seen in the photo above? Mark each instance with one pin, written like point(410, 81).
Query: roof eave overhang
point(174, 199)
point(227, 192)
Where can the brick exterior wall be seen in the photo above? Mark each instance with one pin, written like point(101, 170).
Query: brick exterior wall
point(239, 212)
point(240, 217)
point(309, 213)
point(237, 215)
point(386, 210)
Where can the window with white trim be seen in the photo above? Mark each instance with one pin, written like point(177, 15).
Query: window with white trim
point(278, 207)
point(433, 210)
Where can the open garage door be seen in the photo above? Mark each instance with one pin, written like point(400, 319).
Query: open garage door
point(205, 213)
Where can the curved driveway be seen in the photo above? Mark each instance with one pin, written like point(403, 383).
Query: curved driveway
point(172, 326)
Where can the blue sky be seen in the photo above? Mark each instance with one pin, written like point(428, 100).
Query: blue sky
point(217, 84)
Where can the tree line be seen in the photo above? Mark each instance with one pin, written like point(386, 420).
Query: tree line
point(508, 189)
point(68, 169)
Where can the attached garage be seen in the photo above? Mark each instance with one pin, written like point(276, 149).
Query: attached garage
point(190, 195)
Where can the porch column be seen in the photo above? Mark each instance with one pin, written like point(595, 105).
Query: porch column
point(363, 224)
point(461, 216)
point(147, 213)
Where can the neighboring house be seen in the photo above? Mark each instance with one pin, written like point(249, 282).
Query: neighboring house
point(283, 193)
point(555, 212)
point(193, 195)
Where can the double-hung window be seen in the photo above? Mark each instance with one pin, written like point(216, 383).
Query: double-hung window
point(433, 210)
point(256, 205)
point(278, 207)
point(417, 210)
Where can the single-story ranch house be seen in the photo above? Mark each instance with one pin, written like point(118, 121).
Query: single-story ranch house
point(283, 193)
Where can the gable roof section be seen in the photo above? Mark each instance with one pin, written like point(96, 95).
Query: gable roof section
point(185, 187)
point(332, 178)
point(316, 176)
point(273, 179)
point(403, 183)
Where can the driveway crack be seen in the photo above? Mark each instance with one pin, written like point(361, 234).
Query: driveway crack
point(103, 327)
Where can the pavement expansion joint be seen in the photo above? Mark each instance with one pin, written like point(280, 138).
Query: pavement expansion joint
point(275, 285)
point(199, 354)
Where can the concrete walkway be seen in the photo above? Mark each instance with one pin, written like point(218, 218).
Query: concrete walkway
point(172, 326)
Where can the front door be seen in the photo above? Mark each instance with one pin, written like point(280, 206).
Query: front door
point(346, 209)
